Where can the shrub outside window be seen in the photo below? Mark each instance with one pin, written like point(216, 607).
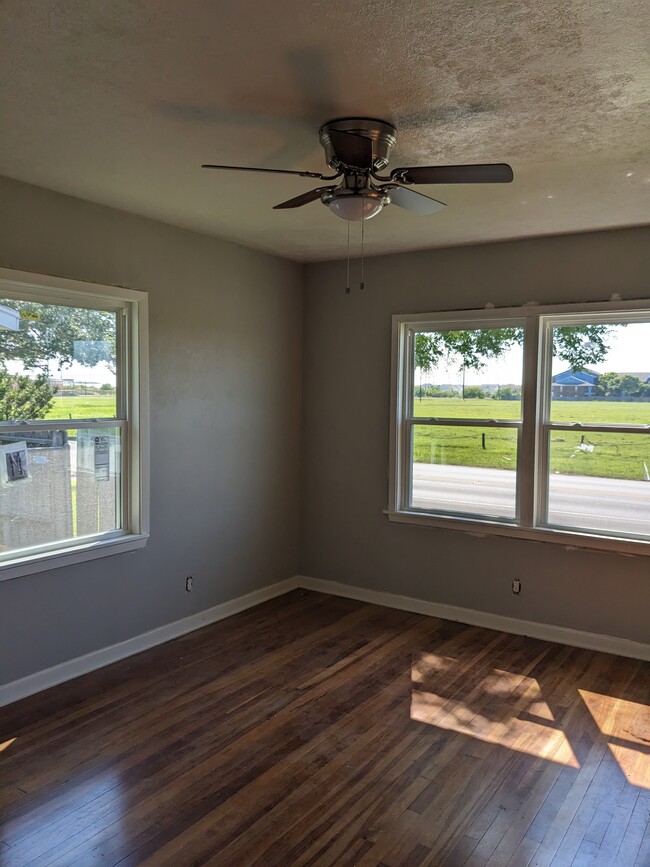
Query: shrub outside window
point(73, 421)
point(528, 422)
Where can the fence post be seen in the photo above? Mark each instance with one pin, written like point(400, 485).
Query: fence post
point(483, 440)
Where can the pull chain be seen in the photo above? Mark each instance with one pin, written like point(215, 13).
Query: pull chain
point(347, 282)
point(363, 225)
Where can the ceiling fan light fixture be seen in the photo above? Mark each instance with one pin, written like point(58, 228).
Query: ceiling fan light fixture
point(355, 205)
point(355, 208)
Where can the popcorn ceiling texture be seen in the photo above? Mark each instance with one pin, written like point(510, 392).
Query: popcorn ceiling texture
point(121, 102)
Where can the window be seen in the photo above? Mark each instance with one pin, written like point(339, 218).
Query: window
point(530, 422)
point(73, 422)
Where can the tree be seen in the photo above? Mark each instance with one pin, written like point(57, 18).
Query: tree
point(578, 345)
point(22, 397)
point(474, 391)
point(608, 385)
point(582, 345)
point(50, 332)
point(621, 385)
point(436, 391)
point(631, 386)
point(472, 347)
point(507, 392)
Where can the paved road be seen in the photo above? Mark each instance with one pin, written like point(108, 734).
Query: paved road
point(575, 501)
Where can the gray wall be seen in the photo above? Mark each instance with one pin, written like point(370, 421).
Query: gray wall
point(346, 377)
point(225, 335)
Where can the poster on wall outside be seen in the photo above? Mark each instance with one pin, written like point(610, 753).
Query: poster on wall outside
point(14, 465)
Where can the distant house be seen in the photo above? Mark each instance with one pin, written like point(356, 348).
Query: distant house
point(577, 385)
point(643, 375)
point(572, 385)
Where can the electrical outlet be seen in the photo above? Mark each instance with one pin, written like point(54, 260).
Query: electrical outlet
point(516, 586)
point(189, 581)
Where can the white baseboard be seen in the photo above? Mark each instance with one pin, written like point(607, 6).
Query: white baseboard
point(49, 677)
point(545, 631)
point(41, 680)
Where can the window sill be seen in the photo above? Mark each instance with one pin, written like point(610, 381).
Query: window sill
point(612, 544)
point(43, 562)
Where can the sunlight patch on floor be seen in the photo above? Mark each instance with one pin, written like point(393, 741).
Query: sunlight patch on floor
point(626, 724)
point(504, 708)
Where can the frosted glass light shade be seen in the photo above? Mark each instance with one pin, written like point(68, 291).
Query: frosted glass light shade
point(357, 207)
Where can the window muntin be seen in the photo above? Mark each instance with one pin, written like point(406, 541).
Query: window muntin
point(557, 438)
point(73, 468)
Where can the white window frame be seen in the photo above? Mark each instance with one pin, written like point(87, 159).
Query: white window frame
point(133, 421)
point(533, 427)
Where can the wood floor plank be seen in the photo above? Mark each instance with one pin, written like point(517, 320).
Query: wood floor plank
point(631, 834)
point(643, 856)
point(316, 730)
point(509, 807)
point(262, 746)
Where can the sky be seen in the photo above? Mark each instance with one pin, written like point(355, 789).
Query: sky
point(629, 352)
point(97, 375)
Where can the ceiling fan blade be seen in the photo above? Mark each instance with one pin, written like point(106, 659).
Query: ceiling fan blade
point(304, 199)
point(270, 171)
point(416, 203)
point(352, 149)
point(494, 173)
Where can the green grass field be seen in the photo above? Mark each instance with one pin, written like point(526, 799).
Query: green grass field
point(83, 406)
point(586, 411)
point(614, 456)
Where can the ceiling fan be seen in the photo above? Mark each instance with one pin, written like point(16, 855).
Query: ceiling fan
point(357, 149)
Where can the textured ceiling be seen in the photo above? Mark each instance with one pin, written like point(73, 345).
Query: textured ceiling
point(120, 103)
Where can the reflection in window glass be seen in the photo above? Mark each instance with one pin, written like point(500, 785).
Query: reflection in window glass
point(468, 470)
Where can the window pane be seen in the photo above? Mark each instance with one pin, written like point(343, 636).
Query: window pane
point(59, 363)
point(471, 373)
point(612, 384)
point(600, 482)
point(464, 469)
point(57, 485)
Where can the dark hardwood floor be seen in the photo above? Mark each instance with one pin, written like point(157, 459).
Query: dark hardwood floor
point(319, 730)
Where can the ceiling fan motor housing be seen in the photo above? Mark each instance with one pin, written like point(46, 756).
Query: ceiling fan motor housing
point(383, 136)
